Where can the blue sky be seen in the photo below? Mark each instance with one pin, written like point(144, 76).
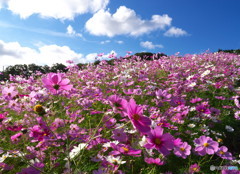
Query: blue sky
point(53, 31)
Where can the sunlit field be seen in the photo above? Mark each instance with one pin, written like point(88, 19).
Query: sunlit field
point(178, 115)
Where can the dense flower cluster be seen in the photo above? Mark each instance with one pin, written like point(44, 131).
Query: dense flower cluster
point(169, 115)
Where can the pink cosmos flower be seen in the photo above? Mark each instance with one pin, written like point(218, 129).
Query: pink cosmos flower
point(9, 93)
point(135, 114)
point(2, 117)
point(120, 135)
point(162, 142)
point(125, 149)
point(205, 145)
point(194, 168)
point(15, 138)
point(237, 115)
point(183, 150)
point(237, 101)
point(203, 109)
point(154, 161)
point(224, 154)
point(162, 95)
point(55, 82)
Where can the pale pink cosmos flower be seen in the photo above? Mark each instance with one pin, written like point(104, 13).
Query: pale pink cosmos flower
point(205, 145)
point(9, 92)
point(55, 82)
point(182, 150)
point(224, 154)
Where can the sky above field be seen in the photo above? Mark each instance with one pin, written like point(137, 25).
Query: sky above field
point(54, 31)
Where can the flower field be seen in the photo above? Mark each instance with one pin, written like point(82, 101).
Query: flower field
point(178, 115)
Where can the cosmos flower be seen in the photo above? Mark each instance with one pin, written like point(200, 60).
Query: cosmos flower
point(183, 150)
point(15, 138)
point(9, 92)
point(194, 168)
point(223, 153)
point(205, 145)
point(135, 114)
point(154, 161)
point(55, 82)
point(162, 142)
point(125, 150)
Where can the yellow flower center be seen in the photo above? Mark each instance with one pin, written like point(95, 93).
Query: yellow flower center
point(205, 144)
point(182, 148)
point(136, 117)
point(222, 153)
point(157, 141)
point(125, 149)
point(195, 169)
point(39, 109)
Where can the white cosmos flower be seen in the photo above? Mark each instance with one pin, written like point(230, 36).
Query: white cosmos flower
point(115, 160)
point(205, 73)
point(192, 84)
point(76, 149)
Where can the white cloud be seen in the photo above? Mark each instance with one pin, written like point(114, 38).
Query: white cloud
point(119, 42)
point(105, 42)
point(71, 32)
point(13, 53)
point(58, 9)
point(175, 32)
point(150, 45)
point(124, 21)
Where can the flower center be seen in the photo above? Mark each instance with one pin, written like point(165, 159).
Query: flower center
point(157, 141)
point(182, 149)
point(136, 117)
point(195, 169)
point(117, 105)
point(38, 109)
point(125, 149)
point(56, 86)
point(205, 144)
point(221, 152)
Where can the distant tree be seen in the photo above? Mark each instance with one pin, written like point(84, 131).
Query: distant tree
point(230, 51)
point(58, 67)
point(81, 65)
point(149, 56)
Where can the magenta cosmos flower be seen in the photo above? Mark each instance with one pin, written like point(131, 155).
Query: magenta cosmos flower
point(205, 145)
point(194, 168)
point(55, 82)
point(135, 114)
point(154, 161)
point(125, 150)
point(162, 142)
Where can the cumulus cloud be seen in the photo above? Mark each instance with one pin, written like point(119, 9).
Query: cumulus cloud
point(58, 9)
point(150, 45)
point(12, 53)
point(71, 32)
point(175, 32)
point(124, 21)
